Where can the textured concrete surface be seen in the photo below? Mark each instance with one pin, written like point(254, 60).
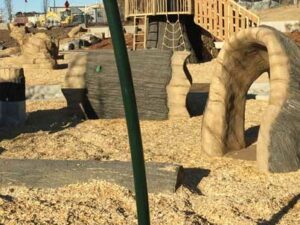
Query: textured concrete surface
point(241, 61)
point(44, 92)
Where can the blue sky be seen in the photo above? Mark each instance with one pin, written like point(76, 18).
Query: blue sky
point(36, 5)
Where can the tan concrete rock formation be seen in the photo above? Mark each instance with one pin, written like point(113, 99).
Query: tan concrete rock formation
point(75, 77)
point(9, 52)
point(76, 30)
point(178, 87)
point(17, 33)
point(10, 74)
point(35, 52)
point(241, 61)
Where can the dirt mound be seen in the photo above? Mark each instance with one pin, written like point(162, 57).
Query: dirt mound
point(55, 33)
point(107, 43)
point(7, 40)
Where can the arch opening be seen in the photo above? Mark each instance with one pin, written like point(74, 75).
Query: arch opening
point(242, 60)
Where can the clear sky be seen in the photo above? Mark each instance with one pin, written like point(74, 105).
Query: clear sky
point(37, 5)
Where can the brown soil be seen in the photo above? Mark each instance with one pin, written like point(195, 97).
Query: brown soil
point(7, 40)
point(107, 43)
point(55, 33)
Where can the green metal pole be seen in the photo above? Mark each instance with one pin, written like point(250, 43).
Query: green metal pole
point(133, 125)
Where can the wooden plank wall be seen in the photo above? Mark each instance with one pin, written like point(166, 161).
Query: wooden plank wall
point(223, 18)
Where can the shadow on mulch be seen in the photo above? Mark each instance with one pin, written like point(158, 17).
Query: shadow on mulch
point(61, 66)
point(51, 121)
point(192, 178)
point(2, 150)
point(7, 198)
point(275, 219)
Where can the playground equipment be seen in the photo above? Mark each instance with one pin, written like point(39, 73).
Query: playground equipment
point(36, 50)
point(151, 71)
point(134, 133)
point(241, 61)
point(221, 18)
point(161, 87)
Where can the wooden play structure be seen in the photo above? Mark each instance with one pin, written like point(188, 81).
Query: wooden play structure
point(221, 18)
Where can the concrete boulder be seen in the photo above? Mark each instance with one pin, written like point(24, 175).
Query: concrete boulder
point(241, 61)
point(76, 30)
point(9, 52)
point(35, 51)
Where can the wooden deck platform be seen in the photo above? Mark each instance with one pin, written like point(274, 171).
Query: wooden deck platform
point(158, 7)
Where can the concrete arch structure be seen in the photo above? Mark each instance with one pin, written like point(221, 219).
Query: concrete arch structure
point(241, 61)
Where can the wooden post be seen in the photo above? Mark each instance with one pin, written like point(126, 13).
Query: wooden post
point(226, 19)
point(126, 9)
point(145, 31)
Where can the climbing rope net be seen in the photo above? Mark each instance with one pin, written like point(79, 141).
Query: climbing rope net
point(173, 36)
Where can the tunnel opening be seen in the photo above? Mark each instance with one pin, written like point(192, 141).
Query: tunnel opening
point(242, 60)
point(249, 90)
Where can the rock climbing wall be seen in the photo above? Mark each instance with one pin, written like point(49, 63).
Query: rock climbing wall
point(181, 33)
point(241, 61)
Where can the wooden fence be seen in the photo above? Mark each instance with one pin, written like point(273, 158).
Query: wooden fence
point(157, 7)
point(222, 18)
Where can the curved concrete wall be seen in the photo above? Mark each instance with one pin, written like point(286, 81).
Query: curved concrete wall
point(241, 61)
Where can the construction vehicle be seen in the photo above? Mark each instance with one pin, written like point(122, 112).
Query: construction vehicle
point(53, 19)
point(69, 17)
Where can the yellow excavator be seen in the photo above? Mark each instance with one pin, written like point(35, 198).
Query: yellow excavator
point(53, 19)
point(65, 18)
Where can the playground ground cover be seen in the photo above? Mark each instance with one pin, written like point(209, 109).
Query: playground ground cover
point(220, 190)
